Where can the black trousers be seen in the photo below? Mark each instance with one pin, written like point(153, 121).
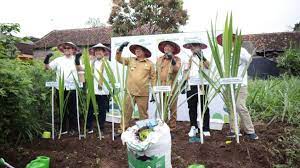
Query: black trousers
point(70, 116)
point(103, 108)
point(193, 104)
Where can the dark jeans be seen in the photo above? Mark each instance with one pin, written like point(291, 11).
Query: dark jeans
point(103, 108)
point(69, 119)
point(193, 104)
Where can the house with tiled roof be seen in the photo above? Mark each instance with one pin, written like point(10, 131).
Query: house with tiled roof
point(266, 48)
point(25, 50)
point(272, 44)
point(82, 37)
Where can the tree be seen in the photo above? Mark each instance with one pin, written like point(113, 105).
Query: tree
point(153, 16)
point(8, 41)
point(296, 27)
point(94, 22)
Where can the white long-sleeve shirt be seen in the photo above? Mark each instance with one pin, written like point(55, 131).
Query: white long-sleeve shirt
point(98, 65)
point(245, 58)
point(65, 66)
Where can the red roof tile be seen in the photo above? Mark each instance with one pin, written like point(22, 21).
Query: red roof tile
point(81, 37)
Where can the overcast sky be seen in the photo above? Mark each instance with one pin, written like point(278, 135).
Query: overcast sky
point(39, 17)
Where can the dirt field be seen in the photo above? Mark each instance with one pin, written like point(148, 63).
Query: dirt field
point(214, 153)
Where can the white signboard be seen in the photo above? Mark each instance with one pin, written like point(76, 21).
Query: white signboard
point(234, 80)
point(68, 85)
point(197, 81)
point(51, 84)
point(162, 88)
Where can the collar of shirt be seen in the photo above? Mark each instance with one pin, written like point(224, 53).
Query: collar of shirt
point(143, 60)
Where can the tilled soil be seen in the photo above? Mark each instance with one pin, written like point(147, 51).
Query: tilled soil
point(91, 152)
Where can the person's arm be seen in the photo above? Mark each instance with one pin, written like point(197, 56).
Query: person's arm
point(153, 75)
point(176, 63)
point(119, 57)
point(206, 64)
point(245, 57)
point(77, 62)
point(79, 68)
point(46, 61)
point(187, 66)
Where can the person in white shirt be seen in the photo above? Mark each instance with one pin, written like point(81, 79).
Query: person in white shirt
point(246, 122)
point(197, 62)
point(65, 66)
point(98, 54)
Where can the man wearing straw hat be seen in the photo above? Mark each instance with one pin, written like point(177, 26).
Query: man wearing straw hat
point(141, 74)
point(197, 62)
point(168, 66)
point(97, 55)
point(241, 107)
point(65, 66)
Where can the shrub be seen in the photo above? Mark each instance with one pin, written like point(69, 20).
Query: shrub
point(24, 100)
point(289, 61)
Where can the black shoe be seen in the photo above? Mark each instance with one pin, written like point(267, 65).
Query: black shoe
point(232, 135)
point(252, 136)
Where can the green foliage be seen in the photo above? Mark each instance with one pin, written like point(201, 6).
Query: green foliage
point(62, 101)
point(227, 62)
point(275, 99)
point(24, 100)
point(227, 65)
point(296, 27)
point(8, 40)
point(289, 61)
point(169, 98)
point(90, 97)
point(158, 16)
point(118, 93)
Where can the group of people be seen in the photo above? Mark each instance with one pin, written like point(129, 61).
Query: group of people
point(143, 74)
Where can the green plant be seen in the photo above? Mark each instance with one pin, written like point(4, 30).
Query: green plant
point(24, 100)
point(147, 17)
point(62, 101)
point(227, 63)
point(117, 86)
point(89, 76)
point(169, 98)
point(289, 61)
point(275, 99)
point(8, 41)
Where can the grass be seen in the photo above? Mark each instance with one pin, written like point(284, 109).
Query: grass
point(275, 99)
